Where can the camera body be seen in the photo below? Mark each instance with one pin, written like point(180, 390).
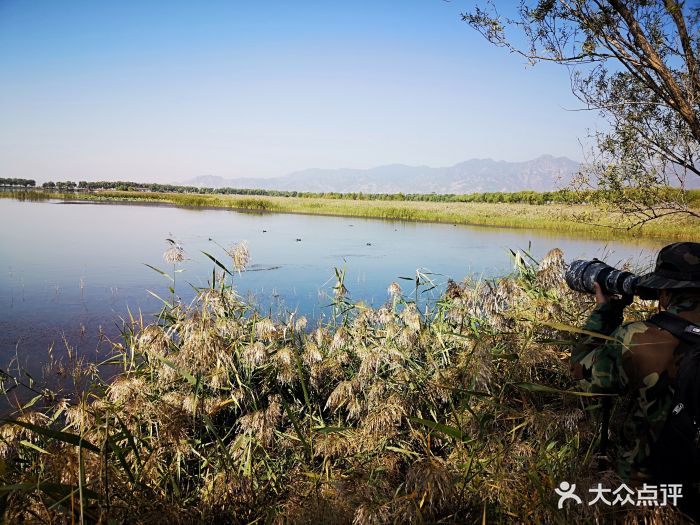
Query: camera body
point(581, 276)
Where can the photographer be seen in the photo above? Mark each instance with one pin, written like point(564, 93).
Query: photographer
point(654, 369)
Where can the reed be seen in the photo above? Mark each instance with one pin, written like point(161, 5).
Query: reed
point(24, 195)
point(461, 411)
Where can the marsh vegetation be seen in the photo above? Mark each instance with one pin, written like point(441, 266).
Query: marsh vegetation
point(457, 412)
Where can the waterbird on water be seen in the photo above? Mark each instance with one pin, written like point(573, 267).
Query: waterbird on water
point(298, 240)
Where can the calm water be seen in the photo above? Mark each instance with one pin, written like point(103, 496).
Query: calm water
point(71, 270)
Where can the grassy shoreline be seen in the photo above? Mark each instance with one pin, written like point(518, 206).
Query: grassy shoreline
point(588, 220)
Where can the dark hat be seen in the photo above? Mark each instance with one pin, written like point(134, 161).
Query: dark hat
point(677, 266)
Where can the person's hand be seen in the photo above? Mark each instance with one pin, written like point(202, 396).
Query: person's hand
point(618, 302)
point(600, 296)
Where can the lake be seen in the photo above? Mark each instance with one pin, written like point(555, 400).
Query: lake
point(70, 271)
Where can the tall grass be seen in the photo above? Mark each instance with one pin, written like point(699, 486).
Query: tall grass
point(459, 412)
point(23, 195)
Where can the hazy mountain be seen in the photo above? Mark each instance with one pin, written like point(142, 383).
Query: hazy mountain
point(477, 175)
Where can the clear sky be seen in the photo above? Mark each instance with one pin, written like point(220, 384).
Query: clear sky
point(168, 90)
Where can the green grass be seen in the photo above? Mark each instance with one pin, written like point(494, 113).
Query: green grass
point(580, 220)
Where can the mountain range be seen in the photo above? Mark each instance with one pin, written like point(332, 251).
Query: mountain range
point(545, 173)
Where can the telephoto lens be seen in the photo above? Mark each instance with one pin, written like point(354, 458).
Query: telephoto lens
point(581, 275)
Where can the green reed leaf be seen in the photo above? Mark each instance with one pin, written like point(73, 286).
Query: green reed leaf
point(534, 387)
point(32, 445)
point(166, 275)
point(439, 427)
point(218, 263)
point(65, 437)
point(184, 373)
point(331, 430)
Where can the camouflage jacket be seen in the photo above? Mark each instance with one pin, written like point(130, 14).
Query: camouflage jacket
point(639, 363)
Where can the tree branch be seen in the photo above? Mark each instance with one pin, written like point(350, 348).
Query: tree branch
point(674, 9)
point(657, 65)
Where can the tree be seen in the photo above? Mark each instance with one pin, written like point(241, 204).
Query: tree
point(636, 63)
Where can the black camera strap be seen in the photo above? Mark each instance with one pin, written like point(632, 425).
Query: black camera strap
point(682, 329)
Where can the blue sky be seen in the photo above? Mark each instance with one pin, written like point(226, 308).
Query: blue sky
point(165, 91)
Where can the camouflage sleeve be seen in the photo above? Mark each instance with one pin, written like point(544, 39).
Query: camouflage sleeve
point(597, 362)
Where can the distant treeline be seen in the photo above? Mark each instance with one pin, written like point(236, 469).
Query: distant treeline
point(530, 197)
point(526, 197)
point(17, 183)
